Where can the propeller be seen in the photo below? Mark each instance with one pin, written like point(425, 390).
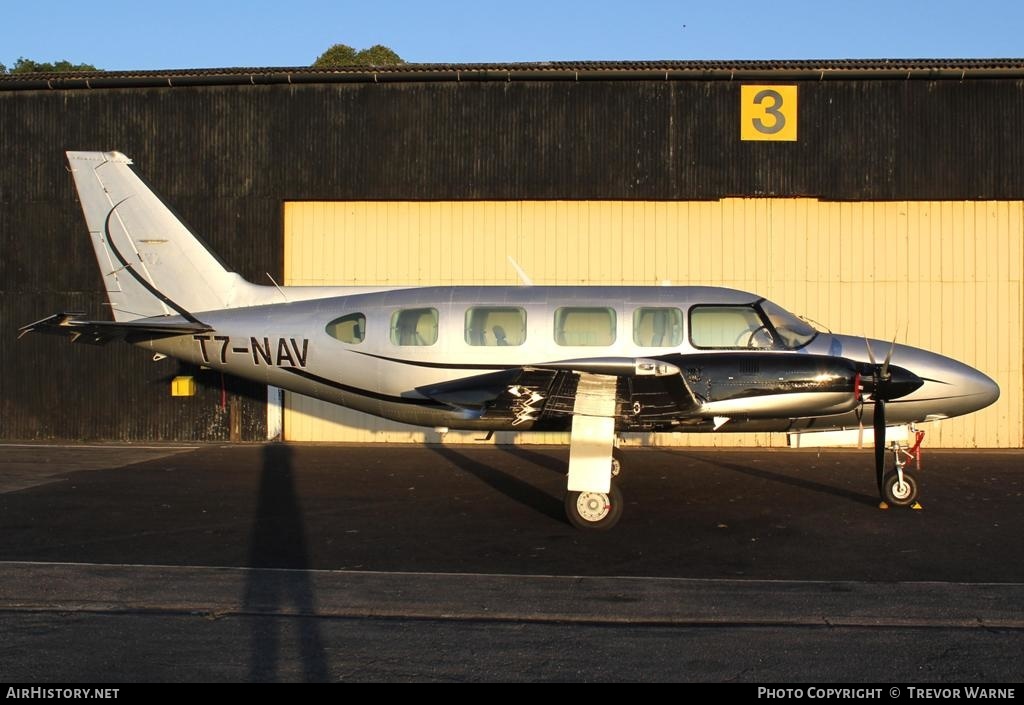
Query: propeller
point(882, 390)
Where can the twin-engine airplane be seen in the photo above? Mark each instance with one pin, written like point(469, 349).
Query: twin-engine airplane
point(596, 361)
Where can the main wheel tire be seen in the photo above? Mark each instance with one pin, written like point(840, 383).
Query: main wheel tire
point(594, 511)
point(899, 494)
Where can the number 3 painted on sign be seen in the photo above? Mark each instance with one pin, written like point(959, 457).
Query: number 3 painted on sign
point(778, 118)
point(768, 113)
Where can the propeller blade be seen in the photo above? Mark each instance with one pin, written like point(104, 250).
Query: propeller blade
point(885, 365)
point(879, 427)
point(871, 354)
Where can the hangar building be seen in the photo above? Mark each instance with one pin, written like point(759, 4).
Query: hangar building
point(877, 197)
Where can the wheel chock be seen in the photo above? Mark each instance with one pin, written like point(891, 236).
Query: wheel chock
point(883, 504)
point(916, 505)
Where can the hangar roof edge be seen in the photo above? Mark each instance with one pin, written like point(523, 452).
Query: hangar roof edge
point(725, 70)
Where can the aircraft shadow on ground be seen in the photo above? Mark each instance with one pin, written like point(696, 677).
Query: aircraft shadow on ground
point(539, 460)
point(278, 539)
point(512, 487)
point(799, 482)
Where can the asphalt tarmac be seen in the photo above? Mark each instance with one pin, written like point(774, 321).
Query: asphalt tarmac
point(347, 563)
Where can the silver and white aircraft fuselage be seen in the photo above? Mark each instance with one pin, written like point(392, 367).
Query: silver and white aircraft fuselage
point(596, 361)
point(767, 386)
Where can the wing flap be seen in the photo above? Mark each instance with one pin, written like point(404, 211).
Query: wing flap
point(525, 395)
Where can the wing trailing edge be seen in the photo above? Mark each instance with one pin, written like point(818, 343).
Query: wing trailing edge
point(528, 394)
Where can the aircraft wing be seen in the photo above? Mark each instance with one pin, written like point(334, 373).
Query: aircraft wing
point(636, 387)
point(82, 330)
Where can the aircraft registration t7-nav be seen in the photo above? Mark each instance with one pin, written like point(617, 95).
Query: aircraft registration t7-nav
point(596, 361)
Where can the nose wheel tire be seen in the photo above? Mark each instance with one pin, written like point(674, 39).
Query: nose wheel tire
point(594, 511)
point(899, 494)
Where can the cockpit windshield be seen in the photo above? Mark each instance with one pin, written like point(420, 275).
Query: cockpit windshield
point(794, 332)
point(761, 325)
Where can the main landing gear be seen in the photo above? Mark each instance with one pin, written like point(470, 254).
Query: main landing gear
point(592, 500)
point(596, 511)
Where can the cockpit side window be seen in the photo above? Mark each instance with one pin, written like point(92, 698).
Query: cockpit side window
point(350, 328)
point(657, 327)
point(414, 326)
point(729, 327)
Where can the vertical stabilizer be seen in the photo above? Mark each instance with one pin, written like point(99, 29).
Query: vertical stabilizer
point(152, 265)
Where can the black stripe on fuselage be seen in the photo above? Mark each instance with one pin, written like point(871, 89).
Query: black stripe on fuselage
point(915, 401)
point(138, 277)
point(363, 392)
point(439, 365)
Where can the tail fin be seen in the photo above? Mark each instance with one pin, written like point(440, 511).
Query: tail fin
point(152, 264)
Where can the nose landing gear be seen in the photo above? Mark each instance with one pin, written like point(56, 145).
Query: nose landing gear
point(899, 487)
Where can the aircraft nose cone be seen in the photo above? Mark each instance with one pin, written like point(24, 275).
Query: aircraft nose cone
point(981, 389)
point(966, 390)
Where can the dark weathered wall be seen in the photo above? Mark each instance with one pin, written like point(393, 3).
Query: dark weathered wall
point(227, 157)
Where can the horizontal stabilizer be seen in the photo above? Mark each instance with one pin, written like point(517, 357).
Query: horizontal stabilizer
point(82, 330)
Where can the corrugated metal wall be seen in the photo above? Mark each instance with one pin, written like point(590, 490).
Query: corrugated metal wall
point(945, 276)
point(227, 157)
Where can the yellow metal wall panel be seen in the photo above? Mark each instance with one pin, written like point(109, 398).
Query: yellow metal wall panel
point(940, 275)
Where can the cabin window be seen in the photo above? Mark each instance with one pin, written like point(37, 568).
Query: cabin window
point(584, 326)
point(728, 327)
point(495, 326)
point(657, 327)
point(414, 326)
point(348, 329)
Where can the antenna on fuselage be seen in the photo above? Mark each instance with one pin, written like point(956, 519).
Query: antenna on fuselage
point(279, 289)
point(523, 277)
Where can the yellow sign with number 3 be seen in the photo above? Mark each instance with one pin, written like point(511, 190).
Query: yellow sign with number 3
point(768, 113)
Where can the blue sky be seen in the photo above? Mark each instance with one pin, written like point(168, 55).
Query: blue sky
point(119, 35)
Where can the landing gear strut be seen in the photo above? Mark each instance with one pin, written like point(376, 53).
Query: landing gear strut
point(593, 501)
